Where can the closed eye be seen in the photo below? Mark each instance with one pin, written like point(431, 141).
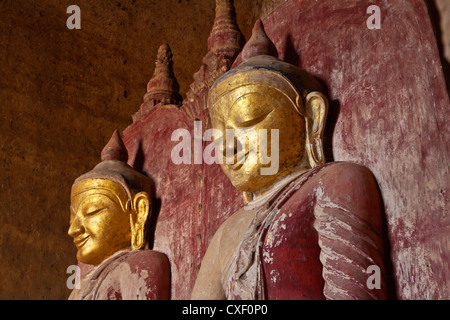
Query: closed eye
point(252, 122)
point(94, 212)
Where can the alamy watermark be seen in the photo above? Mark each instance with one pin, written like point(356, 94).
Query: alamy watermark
point(74, 20)
point(73, 281)
point(374, 280)
point(241, 146)
point(374, 21)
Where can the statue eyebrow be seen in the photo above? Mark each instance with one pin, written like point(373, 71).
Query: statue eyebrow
point(101, 191)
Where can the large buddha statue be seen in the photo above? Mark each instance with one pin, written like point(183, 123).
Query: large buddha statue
point(109, 213)
point(310, 229)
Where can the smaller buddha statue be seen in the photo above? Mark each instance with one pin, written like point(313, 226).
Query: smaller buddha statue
point(109, 213)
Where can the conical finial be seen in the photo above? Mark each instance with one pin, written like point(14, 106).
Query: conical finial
point(226, 37)
point(163, 87)
point(115, 149)
point(259, 43)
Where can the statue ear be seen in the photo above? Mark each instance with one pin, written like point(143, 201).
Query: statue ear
point(140, 212)
point(316, 108)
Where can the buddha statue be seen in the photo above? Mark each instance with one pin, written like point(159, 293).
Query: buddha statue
point(109, 213)
point(310, 230)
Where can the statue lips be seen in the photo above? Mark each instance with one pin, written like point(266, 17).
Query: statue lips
point(79, 242)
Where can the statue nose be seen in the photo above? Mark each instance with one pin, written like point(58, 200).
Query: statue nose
point(76, 226)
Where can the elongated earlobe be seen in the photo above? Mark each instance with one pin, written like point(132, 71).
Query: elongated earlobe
point(140, 212)
point(316, 108)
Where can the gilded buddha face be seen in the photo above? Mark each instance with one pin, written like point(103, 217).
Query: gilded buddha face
point(269, 118)
point(99, 220)
point(266, 118)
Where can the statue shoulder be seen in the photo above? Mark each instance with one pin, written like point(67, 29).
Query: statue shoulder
point(147, 260)
point(340, 170)
point(352, 186)
point(147, 275)
point(348, 216)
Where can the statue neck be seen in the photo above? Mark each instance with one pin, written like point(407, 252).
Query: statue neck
point(261, 196)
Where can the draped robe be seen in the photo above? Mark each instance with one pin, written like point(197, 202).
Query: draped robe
point(317, 237)
point(127, 275)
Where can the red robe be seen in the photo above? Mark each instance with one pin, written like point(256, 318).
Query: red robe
point(127, 275)
point(316, 238)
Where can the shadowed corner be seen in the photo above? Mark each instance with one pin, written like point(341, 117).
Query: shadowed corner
point(138, 162)
point(290, 53)
point(330, 125)
point(150, 225)
point(391, 289)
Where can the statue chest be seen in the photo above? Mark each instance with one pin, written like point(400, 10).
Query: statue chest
point(291, 264)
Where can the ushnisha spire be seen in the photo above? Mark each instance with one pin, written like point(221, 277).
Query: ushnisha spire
point(114, 167)
point(258, 44)
point(115, 149)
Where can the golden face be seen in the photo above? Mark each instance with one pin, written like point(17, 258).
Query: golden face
point(258, 110)
point(99, 222)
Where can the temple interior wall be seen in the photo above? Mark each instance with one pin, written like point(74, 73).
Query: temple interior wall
point(63, 92)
